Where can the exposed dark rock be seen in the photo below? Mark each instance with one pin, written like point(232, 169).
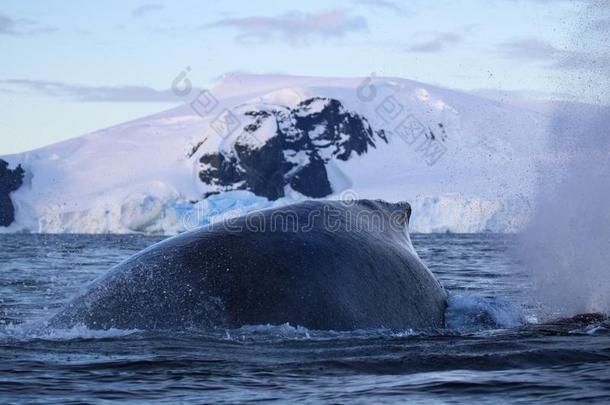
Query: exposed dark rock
point(306, 138)
point(336, 123)
point(443, 131)
point(10, 180)
point(194, 149)
point(312, 180)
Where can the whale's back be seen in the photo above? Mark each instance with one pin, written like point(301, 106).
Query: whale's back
point(320, 277)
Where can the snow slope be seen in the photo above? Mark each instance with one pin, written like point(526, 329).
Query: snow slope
point(143, 175)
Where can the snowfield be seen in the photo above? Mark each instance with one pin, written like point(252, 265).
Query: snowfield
point(144, 175)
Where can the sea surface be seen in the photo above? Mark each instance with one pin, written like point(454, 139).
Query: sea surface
point(495, 349)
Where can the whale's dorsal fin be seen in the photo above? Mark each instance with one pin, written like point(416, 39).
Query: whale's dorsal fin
point(406, 207)
point(402, 209)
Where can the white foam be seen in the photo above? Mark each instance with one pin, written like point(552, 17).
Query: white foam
point(39, 331)
point(474, 313)
point(285, 330)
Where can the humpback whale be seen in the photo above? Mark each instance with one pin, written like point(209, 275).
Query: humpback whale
point(325, 265)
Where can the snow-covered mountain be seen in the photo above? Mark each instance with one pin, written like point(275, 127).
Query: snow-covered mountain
point(466, 163)
point(281, 147)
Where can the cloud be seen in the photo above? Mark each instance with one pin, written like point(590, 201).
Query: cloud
point(294, 27)
point(84, 93)
point(382, 4)
point(583, 61)
point(145, 9)
point(439, 42)
point(599, 4)
point(594, 4)
point(536, 50)
point(21, 26)
point(602, 26)
point(528, 49)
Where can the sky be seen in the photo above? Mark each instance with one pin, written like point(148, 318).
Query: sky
point(72, 67)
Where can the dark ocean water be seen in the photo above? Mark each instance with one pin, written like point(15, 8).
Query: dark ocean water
point(493, 349)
